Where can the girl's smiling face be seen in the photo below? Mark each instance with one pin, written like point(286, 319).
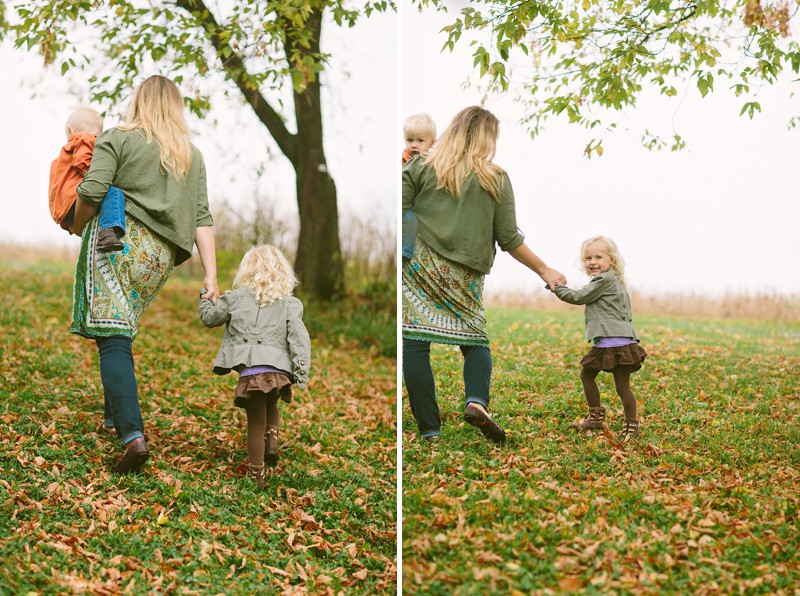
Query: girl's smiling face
point(596, 259)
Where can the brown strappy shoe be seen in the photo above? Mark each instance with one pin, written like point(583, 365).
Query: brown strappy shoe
point(630, 430)
point(594, 421)
point(257, 474)
point(271, 446)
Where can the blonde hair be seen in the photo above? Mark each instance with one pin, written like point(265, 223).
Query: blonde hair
point(420, 123)
point(157, 110)
point(617, 262)
point(84, 119)
point(468, 146)
point(267, 273)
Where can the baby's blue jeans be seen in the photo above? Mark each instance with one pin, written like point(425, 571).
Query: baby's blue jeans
point(112, 210)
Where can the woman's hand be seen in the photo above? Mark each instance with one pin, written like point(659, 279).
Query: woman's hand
point(83, 213)
point(553, 278)
point(211, 288)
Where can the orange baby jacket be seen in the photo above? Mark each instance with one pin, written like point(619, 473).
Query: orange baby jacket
point(67, 171)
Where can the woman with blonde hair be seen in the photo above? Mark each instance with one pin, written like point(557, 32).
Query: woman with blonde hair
point(464, 204)
point(163, 177)
point(266, 342)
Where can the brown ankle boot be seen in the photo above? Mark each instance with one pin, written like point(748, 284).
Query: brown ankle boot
point(271, 446)
point(630, 430)
point(107, 241)
point(257, 474)
point(594, 421)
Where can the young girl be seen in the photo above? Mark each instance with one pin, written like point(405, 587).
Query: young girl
point(609, 324)
point(266, 342)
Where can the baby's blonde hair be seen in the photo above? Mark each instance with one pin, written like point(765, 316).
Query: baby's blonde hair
point(468, 146)
point(420, 123)
point(617, 262)
point(267, 273)
point(84, 119)
point(157, 109)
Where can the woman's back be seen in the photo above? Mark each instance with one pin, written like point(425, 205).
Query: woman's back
point(464, 229)
point(169, 207)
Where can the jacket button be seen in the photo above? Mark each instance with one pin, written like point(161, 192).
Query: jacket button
point(259, 341)
point(245, 340)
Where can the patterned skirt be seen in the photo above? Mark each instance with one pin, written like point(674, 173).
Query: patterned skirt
point(442, 300)
point(113, 289)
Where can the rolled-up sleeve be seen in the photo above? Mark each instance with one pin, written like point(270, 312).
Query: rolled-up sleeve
point(101, 173)
point(505, 230)
point(203, 213)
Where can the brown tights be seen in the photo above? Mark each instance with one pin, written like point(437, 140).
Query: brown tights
point(262, 411)
point(622, 383)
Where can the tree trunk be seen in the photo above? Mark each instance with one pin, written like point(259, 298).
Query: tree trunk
point(319, 262)
point(319, 256)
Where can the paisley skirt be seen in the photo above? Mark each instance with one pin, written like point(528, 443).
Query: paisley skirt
point(113, 289)
point(630, 356)
point(442, 300)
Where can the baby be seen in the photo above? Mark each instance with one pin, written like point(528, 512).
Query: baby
point(419, 132)
point(67, 171)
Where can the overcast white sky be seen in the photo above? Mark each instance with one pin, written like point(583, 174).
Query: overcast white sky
point(360, 119)
point(723, 215)
point(720, 216)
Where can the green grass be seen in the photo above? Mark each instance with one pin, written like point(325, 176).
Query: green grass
point(191, 523)
point(706, 501)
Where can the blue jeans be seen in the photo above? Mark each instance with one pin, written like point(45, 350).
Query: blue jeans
point(112, 210)
point(119, 387)
point(421, 388)
point(410, 226)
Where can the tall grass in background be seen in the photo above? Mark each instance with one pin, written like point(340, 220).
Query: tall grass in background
point(731, 305)
point(368, 245)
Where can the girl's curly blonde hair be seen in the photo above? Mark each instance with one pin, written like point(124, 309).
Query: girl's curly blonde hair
point(617, 262)
point(267, 273)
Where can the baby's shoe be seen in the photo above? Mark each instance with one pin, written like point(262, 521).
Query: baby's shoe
point(271, 446)
point(107, 241)
point(257, 474)
point(630, 430)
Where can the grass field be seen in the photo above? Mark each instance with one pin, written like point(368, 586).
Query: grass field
point(191, 524)
point(705, 502)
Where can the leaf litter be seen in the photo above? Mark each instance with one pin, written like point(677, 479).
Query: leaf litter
point(191, 524)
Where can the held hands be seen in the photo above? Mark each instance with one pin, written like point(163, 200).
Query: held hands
point(553, 278)
point(211, 290)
